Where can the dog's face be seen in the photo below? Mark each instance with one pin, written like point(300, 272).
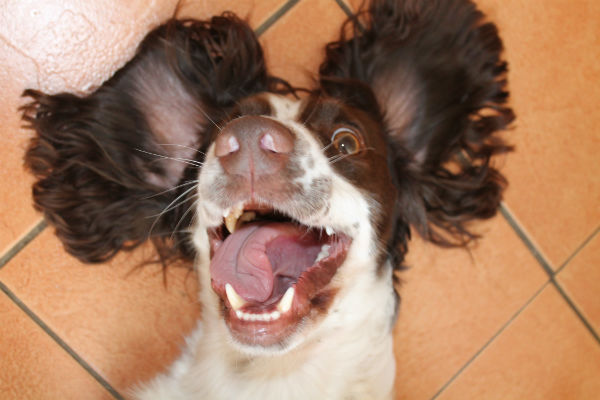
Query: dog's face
point(291, 194)
point(295, 211)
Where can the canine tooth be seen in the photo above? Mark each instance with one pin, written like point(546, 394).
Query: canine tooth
point(329, 230)
point(275, 315)
point(324, 253)
point(239, 314)
point(232, 217)
point(234, 299)
point(286, 301)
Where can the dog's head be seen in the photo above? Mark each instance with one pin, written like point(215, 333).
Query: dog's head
point(295, 208)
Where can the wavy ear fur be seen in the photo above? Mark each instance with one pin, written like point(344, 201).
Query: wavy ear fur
point(109, 163)
point(435, 72)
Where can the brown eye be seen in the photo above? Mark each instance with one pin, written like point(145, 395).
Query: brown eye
point(346, 141)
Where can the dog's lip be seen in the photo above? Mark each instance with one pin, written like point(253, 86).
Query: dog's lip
point(312, 293)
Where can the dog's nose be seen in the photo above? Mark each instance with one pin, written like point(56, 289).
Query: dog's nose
point(254, 146)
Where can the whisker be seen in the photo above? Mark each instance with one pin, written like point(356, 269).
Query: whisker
point(172, 205)
point(171, 189)
point(167, 209)
point(184, 146)
point(336, 156)
point(183, 160)
point(339, 157)
point(210, 119)
point(190, 208)
point(326, 147)
point(313, 110)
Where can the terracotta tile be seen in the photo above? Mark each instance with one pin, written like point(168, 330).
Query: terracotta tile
point(16, 214)
point(121, 320)
point(546, 353)
point(295, 48)
point(453, 302)
point(254, 11)
point(553, 53)
point(581, 281)
point(56, 46)
point(34, 367)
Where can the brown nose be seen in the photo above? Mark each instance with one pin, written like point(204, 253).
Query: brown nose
point(254, 146)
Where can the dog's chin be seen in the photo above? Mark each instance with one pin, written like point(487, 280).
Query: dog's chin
point(273, 278)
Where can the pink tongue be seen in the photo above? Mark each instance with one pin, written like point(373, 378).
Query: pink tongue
point(259, 260)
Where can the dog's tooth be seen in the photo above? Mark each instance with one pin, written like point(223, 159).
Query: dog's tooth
point(264, 317)
point(286, 301)
point(234, 299)
point(324, 253)
point(231, 220)
point(231, 217)
point(247, 216)
point(275, 315)
point(230, 223)
point(329, 230)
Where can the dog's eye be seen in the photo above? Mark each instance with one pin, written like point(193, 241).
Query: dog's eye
point(346, 141)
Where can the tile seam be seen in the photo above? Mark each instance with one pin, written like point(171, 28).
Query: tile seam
point(273, 18)
point(578, 250)
point(58, 340)
point(516, 227)
point(22, 243)
point(546, 266)
point(345, 7)
point(490, 341)
point(576, 310)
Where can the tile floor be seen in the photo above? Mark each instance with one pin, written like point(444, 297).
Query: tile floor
point(517, 318)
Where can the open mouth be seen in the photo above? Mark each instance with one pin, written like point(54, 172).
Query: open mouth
point(271, 272)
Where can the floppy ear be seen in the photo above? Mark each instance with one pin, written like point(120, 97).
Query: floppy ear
point(436, 75)
point(109, 163)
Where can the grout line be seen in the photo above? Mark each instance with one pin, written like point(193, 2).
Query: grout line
point(345, 7)
point(546, 266)
point(275, 17)
point(575, 309)
point(525, 239)
point(490, 341)
point(21, 243)
point(578, 250)
point(60, 342)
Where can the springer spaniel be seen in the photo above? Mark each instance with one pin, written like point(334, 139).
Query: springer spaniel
point(295, 206)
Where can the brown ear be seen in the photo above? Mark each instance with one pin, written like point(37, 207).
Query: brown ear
point(436, 72)
point(107, 165)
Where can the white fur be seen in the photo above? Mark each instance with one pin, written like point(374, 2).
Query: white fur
point(346, 354)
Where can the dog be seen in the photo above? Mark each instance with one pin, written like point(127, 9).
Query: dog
point(295, 206)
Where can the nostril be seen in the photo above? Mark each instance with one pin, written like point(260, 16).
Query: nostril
point(267, 143)
point(277, 141)
point(233, 143)
point(225, 144)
